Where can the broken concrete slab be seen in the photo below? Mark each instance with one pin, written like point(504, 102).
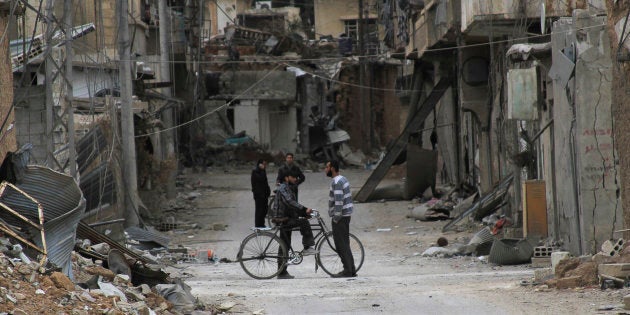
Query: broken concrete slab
point(620, 270)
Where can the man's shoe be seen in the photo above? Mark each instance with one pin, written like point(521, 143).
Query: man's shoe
point(309, 251)
point(344, 274)
point(285, 276)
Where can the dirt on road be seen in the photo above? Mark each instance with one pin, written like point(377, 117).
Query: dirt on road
point(394, 279)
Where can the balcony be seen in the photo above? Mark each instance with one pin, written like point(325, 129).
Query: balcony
point(499, 17)
point(434, 26)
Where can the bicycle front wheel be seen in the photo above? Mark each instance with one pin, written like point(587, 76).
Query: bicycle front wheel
point(329, 260)
point(262, 254)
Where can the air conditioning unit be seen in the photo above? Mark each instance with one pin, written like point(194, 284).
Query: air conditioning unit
point(263, 5)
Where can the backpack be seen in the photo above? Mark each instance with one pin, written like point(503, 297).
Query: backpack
point(274, 207)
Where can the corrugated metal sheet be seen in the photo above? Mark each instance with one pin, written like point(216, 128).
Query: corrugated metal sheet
point(147, 236)
point(63, 205)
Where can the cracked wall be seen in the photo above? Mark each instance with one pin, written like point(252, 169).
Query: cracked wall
point(588, 211)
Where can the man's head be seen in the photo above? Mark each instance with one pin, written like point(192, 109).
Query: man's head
point(289, 158)
point(262, 164)
point(332, 168)
point(291, 177)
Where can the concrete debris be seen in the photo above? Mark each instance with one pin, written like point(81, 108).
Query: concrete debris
point(613, 247)
point(356, 158)
point(610, 272)
point(178, 294)
point(57, 294)
point(442, 252)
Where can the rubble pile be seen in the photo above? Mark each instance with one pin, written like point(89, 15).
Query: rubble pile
point(25, 290)
point(29, 288)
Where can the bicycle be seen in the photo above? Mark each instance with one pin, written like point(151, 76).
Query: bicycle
point(261, 251)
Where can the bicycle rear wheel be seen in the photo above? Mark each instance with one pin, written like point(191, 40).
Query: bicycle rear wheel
point(268, 217)
point(261, 254)
point(329, 260)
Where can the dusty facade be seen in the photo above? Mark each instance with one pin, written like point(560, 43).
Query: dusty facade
point(497, 80)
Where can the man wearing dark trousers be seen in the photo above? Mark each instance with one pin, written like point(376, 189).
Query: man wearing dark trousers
point(290, 167)
point(293, 215)
point(261, 190)
point(340, 209)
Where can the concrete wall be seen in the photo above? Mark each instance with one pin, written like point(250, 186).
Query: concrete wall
point(473, 11)
point(270, 123)
point(388, 108)
point(246, 118)
point(329, 14)
point(432, 26)
point(588, 210)
point(474, 98)
point(270, 85)
point(281, 125)
point(446, 128)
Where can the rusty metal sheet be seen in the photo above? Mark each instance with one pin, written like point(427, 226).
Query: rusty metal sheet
point(63, 205)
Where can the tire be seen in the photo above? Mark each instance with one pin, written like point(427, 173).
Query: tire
point(259, 254)
point(269, 218)
point(329, 260)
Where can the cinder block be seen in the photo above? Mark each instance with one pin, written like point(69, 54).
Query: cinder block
point(613, 247)
point(541, 262)
point(542, 251)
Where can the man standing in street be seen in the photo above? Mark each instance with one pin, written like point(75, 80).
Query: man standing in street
point(261, 190)
point(290, 168)
point(340, 209)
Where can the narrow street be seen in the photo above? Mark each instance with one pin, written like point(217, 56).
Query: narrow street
point(394, 279)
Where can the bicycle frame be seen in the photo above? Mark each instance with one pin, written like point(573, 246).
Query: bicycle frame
point(319, 226)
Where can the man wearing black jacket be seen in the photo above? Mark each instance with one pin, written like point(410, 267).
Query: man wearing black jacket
point(261, 190)
point(290, 168)
point(295, 215)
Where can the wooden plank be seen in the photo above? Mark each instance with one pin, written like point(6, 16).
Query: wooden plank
point(401, 142)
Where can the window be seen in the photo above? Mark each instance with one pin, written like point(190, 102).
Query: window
point(351, 28)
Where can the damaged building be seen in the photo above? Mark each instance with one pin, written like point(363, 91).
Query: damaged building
point(463, 92)
point(536, 107)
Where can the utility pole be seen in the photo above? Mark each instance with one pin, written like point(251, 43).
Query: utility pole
point(69, 22)
point(126, 116)
point(165, 73)
point(50, 105)
point(365, 112)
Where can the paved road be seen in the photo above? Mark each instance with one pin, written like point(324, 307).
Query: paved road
point(395, 279)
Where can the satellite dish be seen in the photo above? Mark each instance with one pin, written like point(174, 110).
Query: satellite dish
point(542, 17)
